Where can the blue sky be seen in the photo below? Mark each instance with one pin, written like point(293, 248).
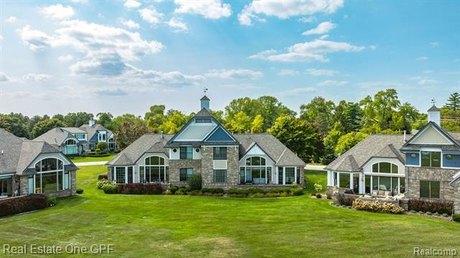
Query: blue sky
point(122, 56)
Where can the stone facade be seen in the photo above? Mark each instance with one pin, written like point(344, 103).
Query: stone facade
point(208, 169)
point(176, 165)
point(415, 174)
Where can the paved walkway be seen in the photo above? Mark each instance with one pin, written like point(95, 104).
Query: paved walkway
point(315, 167)
point(92, 163)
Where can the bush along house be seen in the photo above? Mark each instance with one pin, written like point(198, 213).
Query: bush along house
point(424, 166)
point(204, 146)
point(29, 167)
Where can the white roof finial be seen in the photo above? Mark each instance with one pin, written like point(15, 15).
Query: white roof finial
point(433, 102)
point(205, 90)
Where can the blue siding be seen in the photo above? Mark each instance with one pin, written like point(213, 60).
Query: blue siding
point(219, 136)
point(413, 160)
point(453, 162)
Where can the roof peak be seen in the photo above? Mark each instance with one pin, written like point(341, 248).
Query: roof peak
point(434, 108)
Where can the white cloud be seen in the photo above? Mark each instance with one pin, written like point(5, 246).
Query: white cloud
point(322, 28)
point(321, 72)
point(151, 15)
point(4, 77)
point(39, 77)
point(130, 24)
point(177, 24)
point(105, 49)
point(308, 51)
point(132, 4)
point(309, 19)
point(34, 39)
point(325, 36)
point(297, 91)
point(210, 9)
point(173, 78)
point(328, 83)
point(235, 74)
point(65, 58)
point(58, 12)
point(286, 8)
point(288, 72)
point(423, 80)
point(11, 19)
point(421, 58)
point(79, 1)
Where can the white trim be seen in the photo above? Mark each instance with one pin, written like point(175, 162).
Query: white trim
point(423, 131)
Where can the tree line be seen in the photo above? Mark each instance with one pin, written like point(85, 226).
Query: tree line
point(319, 133)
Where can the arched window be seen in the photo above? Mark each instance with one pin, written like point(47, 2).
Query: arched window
point(154, 170)
point(70, 142)
point(51, 176)
point(385, 167)
point(255, 171)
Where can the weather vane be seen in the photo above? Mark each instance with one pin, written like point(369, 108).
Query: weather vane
point(433, 102)
point(205, 90)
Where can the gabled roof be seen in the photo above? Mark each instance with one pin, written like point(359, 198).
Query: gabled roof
point(450, 136)
point(148, 143)
point(197, 133)
point(19, 153)
point(92, 130)
point(55, 136)
point(374, 146)
point(434, 109)
point(73, 130)
point(271, 146)
point(205, 98)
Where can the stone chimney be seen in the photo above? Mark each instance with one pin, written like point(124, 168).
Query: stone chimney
point(205, 102)
point(91, 122)
point(434, 114)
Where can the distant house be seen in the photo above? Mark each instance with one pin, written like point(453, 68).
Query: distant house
point(28, 167)
point(204, 146)
point(423, 166)
point(75, 141)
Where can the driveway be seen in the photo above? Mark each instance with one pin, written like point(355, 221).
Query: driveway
point(315, 167)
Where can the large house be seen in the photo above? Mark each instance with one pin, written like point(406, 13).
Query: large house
point(423, 166)
point(28, 167)
point(77, 140)
point(204, 146)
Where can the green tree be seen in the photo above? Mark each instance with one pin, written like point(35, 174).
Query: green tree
point(349, 140)
point(319, 112)
point(239, 123)
point(105, 119)
point(381, 110)
point(155, 117)
point(77, 119)
point(453, 102)
point(14, 124)
point(299, 136)
point(128, 130)
point(173, 122)
point(102, 147)
point(45, 125)
point(257, 124)
point(270, 109)
point(349, 115)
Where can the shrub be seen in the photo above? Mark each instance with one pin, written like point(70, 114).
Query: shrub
point(17, 205)
point(235, 192)
point(139, 188)
point(431, 206)
point(456, 217)
point(181, 191)
point(344, 199)
point(167, 192)
point(102, 182)
point(174, 189)
point(195, 182)
point(51, 200)
point(80, 191)
point(216, 191)
point(257, 195)
point(102, 177)
point(319, 196)
point(102, 147)
point(255, 191)
point(110, 188)
point(194, 192)
point(377, 206)
point(297, 191)
point(318, 188)
point(280, 190)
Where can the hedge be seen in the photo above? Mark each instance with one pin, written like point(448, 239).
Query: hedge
point(431, 206)
point(139, 188)
point(21, 204)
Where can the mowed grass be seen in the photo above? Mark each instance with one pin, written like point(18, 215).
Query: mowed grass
point(195, 226)
point(77, 159)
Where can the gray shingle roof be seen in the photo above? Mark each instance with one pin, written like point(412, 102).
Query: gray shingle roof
point(148, 143)
point(55, 136)
point(73, 130)
point(92, 130)
point(19, 153)
point(434, 108)
point(270, 145)
point(383, 146)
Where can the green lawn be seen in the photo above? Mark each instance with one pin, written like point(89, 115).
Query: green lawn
point(196, 226)
point(91, 159)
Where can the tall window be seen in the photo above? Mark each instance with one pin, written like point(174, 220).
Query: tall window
point(70, 142)
point(185, 173)
point(154, 170)
point(220, 153)
point(50, 176)
point(186, 152)
point(385, 167)
point(430, 189)
point(255, 171)
point(220, 175)
point(431, 159)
